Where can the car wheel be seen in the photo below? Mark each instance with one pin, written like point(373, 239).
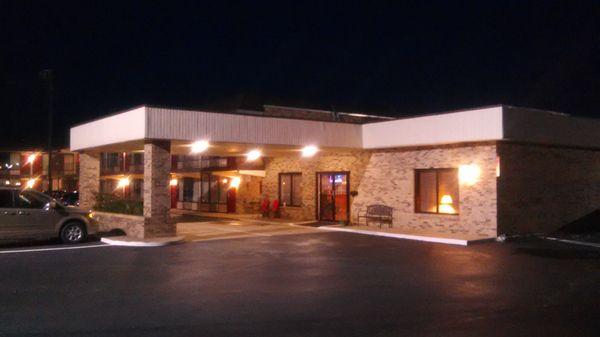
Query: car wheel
point(73, 232)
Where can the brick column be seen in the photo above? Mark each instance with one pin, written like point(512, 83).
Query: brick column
point(157, 198)
point(89, 179)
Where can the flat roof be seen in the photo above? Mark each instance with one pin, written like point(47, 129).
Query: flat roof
point(491, 123)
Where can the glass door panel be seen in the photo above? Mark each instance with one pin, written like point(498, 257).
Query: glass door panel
point(333, 196)
point(341, 197)
point(326, 198)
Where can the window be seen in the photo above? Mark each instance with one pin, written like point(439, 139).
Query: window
point(68, 162)
point(188, 189)
point(204, 188)
point(137, 189)
point(6, 199)
point(28, 199)
point(290, 189)
point(223, 187)
point(436, 191)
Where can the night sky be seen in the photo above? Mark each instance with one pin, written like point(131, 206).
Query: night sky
point(379, 57)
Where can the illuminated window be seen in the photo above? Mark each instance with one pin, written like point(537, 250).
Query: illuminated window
point(290, 189)
point(436, 191)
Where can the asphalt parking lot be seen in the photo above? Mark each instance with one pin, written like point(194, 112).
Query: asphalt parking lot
point(303, 284)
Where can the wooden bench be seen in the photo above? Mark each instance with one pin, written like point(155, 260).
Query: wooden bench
point(380, 213)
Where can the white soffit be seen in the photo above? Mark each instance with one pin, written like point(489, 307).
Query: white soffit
point(456, 127)
point(119, 128)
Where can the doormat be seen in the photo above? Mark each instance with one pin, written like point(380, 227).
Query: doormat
point(320, 223)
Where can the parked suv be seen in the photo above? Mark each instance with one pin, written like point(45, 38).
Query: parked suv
point(28, 214)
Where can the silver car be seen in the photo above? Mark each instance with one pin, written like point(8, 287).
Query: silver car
point(28, 214)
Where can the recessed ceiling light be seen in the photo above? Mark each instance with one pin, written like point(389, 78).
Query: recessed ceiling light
point(309, 151)
point(200, 146)
point(253, 155)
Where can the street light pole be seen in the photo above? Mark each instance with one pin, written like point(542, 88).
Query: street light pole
point(47, 75)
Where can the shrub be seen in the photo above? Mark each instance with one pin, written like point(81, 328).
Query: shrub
point(113, 204)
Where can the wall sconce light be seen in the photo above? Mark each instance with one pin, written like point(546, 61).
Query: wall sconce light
point(469, 174)
point(235, 182)
point(173, 182)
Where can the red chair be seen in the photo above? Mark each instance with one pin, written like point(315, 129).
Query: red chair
point(275, 208)
point(264, 207)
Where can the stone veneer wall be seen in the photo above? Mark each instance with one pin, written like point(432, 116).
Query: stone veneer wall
point(542, 188)
point(89, 179)
point(390, 180)
point(157, 194)
point(248, 195)
point(132, 225)
point(353, 161)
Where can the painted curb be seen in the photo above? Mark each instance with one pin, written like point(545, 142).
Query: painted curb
point(116, 242)
point(580, 243)
point(458, 242)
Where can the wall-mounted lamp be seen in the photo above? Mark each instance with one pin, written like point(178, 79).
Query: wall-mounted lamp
point(469, 174)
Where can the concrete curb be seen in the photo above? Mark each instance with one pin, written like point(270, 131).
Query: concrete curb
point(459, 242)
point(135, 242)
point(580, 243)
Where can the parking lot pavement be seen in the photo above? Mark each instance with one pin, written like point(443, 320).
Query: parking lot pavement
point(312, 284)
point(233, 229)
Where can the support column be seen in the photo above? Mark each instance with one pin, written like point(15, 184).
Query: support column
point(157, 199)
point(89, 179)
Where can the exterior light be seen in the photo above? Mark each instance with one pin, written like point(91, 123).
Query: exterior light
point(469, 174)
point(173, 182)
point(31, 158)
point(224, 181)
point(497, 167)
point(30, 183)
point(18, 183)
point(253, 155)
point(309, 151)
point(200, 146)
point(7, 182)
point(123, 182)
point(235, 182)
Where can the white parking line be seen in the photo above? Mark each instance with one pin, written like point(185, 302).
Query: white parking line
point(49, 249)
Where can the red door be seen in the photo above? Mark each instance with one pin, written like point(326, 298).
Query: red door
point(231, 200)
point(174, 196)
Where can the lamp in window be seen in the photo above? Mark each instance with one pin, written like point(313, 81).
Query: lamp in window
point(446, 204)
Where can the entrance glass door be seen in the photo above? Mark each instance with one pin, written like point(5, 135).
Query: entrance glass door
point(333, 196)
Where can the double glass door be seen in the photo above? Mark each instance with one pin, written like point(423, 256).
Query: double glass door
point(333, 193)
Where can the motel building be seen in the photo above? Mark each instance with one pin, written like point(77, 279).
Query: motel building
point(473, 173)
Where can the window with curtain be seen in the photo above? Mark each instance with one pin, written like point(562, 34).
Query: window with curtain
point(436, 191)
point(290, 189)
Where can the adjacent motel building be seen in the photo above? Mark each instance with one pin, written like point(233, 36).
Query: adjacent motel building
point(479, 172)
